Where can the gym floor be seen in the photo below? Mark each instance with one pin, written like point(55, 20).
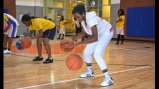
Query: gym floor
point(132, 66)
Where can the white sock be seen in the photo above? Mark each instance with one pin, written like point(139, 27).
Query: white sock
point(107, 76)
point(89, 68)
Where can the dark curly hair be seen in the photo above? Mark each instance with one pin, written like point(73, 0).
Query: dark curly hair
point(79, 8)
point(27, 17)
point(122, 11)
point(62, 18)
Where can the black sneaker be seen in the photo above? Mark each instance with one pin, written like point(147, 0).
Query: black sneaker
point(38, 58)
point(48, 60)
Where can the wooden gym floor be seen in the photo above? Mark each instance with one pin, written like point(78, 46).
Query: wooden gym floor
point(132, 66)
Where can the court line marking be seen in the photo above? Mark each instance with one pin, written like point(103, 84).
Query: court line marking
point(63, 81)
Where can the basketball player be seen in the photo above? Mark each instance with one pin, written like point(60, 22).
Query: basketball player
point(100, 33)
point(10, 32)
point(62, 28)
point(46, 31)
point(120, 26)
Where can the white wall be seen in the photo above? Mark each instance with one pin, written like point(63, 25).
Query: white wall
point(115, 1)
point(29, 2)
point(115, 6)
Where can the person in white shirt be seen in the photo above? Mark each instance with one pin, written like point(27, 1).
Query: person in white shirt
point(10, 33)
point(100, 33)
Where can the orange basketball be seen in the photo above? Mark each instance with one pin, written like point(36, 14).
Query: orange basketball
point(74, 62)
point(65, 43)
point(26, 42)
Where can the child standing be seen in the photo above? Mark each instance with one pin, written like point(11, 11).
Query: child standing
point(62, 28)
point(120, 26)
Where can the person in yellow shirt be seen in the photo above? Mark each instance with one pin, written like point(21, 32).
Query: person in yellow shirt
point(46, 31)
point(120, 26)
point(62, 28)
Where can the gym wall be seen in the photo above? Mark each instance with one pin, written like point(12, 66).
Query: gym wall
point(10, 5)
point(139, 7)
point(114, 7)
point(33, 7)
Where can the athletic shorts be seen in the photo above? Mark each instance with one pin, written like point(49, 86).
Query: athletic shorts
point(120, 30)
point(49, 33)
point(62, 31)
point(12, 31)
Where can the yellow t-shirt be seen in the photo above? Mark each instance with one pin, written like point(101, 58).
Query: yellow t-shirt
point(121, 23)
point(5, 18)
point(62, 23)
point(41, 24)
